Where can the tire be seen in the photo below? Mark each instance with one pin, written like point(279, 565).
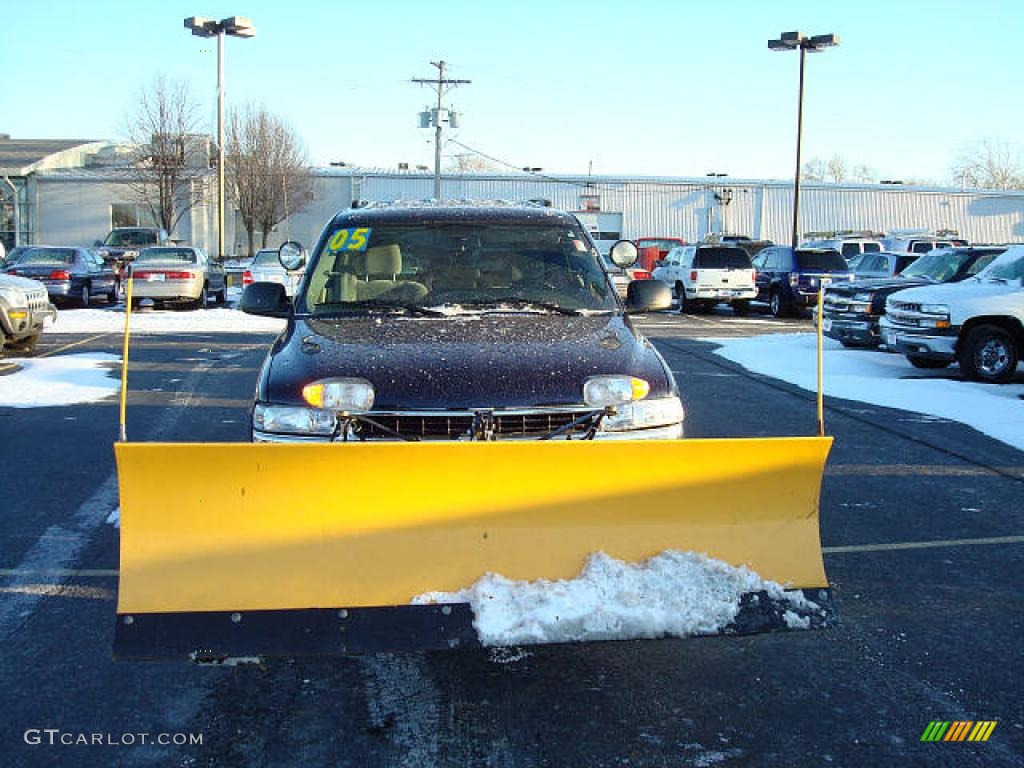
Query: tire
point(112, 296)
point(684, 305)
point(203, 301)
point(741, 308)
point(777, 306)
point(27, 344)
point(926, 363)
point(86, 299)
point(989, 354)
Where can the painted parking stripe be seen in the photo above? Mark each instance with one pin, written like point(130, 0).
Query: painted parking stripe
point(944, 470)
point(903, 545)
point(72, 345)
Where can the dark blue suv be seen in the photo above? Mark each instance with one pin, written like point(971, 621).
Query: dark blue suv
point(789, 280)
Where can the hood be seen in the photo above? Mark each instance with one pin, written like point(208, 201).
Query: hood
point(877, 284)
point(488, 361)
point(21, 283)
point(972, 288)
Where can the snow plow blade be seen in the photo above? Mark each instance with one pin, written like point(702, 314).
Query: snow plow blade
point(292, 549)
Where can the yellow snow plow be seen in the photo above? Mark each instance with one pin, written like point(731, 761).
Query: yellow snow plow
point(265, 549)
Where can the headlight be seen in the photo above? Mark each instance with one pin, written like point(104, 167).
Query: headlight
point(935, 309)
point(602, 391)
point(343, 395)
point(292, 419)
point(659, 412)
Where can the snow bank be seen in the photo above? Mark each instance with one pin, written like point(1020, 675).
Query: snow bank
point(888, 380)
point(671, 594)
point(218, 320)
point(62, 380)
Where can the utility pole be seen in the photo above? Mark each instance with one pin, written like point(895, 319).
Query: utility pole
point(441, 84)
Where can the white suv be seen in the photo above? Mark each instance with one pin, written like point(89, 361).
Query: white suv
point(978, 322)
point(701, 276)
point(850, 248)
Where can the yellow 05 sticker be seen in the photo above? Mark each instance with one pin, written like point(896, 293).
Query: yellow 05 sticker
point(349, 240)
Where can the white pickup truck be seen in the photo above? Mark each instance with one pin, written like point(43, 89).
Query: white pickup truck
point(978, 322)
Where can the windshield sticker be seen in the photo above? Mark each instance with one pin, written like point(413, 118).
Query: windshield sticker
point(349, 240)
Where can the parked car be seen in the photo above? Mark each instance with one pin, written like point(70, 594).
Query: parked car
point(122, 244)
point(918, 243)
point(850, 247)
point(789, 279)
point(882, 264)
point(265, 267)
point(14, 254)
point(177, 274)
point(852, 310)
point(978, 322)
point(69, 274)
point(460, 322)
point(621, 278)
point(702, 276)
point(24, 306)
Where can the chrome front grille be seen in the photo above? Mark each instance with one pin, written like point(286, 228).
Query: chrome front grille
point(455, 425)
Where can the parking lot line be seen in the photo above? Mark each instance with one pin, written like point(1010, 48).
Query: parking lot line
point(931, 470)
point(922, 545)
point(73, 344)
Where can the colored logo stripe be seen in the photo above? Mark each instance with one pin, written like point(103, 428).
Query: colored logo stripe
point(958, 730)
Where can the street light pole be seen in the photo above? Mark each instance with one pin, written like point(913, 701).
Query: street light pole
point(789, 41)
point(236, 26)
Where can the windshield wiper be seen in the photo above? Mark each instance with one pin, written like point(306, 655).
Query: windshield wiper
point(369, 306)
point(519, 303)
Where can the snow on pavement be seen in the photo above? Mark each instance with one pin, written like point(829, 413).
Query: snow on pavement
point(887, 380)
point(217, 320)
point(62, 380)
point(672, 594)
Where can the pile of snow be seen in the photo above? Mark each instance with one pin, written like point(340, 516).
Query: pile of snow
point(218, 320)
point(62, 380)
point(672, 594)
point(882, 379)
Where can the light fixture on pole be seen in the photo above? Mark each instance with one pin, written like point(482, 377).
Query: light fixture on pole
point(235, 26)
point(790, 41)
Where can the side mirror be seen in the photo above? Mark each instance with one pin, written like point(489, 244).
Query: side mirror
point(292, 255)
point(267, 299)
point(647, 296)
point(624, 254)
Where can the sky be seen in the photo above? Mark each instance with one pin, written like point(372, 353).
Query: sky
point(650, 87)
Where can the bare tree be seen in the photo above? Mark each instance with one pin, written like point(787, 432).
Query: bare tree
point(169, 158)
point(267, 169)
point(989, 164)
point(864, 174)
point(836, 170)
point(470, 163)
point(814, 170)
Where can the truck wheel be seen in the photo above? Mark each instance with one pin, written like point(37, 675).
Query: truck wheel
point(778, 307)
point(989, 355)
point(927, 363)
point(27, 344)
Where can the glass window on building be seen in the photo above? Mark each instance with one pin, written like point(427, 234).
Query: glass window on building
point(130, 215)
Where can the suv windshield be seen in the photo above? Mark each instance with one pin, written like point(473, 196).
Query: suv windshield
point(943, 265)
point(175, 255)
point(821, 261)
point(130, 237)
point(721, 258)
point(479, 266)
point(1008, 269)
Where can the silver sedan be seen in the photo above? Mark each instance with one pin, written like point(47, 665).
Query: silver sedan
point(178, 274)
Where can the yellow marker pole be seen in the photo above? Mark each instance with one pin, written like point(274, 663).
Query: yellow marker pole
point(821, 355)
point(124, 359)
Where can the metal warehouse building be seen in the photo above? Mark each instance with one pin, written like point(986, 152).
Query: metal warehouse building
point(72, 193)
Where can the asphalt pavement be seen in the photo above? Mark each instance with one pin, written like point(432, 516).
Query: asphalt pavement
point(921, 524)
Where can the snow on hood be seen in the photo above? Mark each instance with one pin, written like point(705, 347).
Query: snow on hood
point(62, 380)
point(674, 593)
